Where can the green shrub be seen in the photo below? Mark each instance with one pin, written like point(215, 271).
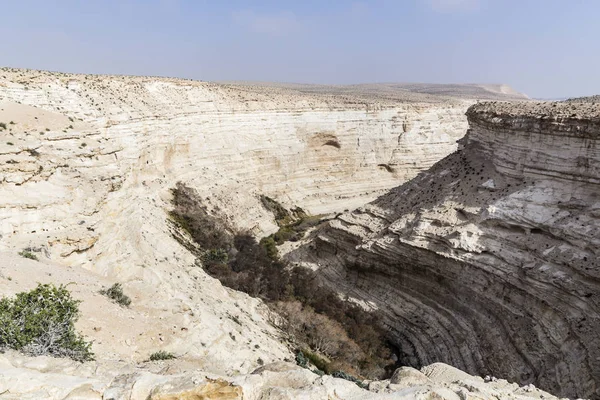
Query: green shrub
point(162, 355)
point(348, 377)
point(115, 293)
point(26, 253)
point(317, 360)
point(292, 224)
point(301, 360)
point(2, 125)
point(268, 243)
point(282, 216)
point(284, 234)
point(214, 256)
point(42, 322)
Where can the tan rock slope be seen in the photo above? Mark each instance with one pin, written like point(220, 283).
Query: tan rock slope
point(489, 260)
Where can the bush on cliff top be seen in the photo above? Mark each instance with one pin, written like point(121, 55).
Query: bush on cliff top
point(115, 293)
point(42, 322)
point(161, 355)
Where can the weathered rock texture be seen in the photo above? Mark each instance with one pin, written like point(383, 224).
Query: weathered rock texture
point(94, 147)
point(87, 164)
point(488, 261)
point(23, 378)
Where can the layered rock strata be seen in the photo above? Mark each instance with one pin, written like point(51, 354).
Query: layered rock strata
point(94, 146)
point(86, 168)
point(489, 260)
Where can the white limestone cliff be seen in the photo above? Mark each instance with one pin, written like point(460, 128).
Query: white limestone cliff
point(87, 164)
point(86, 168)
point(93, 146)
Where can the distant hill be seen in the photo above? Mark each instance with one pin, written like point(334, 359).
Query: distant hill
point(425, 92)
point(586, 99)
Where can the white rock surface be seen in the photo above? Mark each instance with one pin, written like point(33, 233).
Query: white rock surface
point(87, 164)
point(86, 168)
point(31, 379)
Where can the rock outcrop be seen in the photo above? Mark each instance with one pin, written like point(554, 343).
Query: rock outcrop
point(23, 378)
point(489, 260)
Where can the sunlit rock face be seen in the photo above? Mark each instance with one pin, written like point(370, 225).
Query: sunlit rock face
point(88, 164)
point(23, 378)
point(489, 260)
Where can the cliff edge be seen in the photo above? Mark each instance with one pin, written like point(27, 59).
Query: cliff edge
point(489, 260)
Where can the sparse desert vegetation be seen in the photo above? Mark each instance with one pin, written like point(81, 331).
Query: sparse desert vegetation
point(341, 335)
point(161, 355)
point(41, 322)
point(27, 253)
point(115, 293)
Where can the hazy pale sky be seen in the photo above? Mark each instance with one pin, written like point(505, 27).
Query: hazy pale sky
point(544, 48)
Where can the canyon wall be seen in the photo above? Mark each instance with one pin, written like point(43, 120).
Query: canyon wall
point(87, 164)
point(489, 260)
point(91, 158)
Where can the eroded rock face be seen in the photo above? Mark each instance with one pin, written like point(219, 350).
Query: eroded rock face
point(89, 160)
point(86, 168)
point(489, 260)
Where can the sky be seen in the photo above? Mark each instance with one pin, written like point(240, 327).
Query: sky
point(544, 48)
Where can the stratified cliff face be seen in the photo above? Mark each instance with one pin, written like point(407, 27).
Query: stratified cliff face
point(87, 164)
point(489, 260)
point(95, 146)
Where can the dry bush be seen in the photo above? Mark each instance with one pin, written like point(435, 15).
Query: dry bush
point(161, 355)
point(312, 314)
point(115, 293)
point(321, 333)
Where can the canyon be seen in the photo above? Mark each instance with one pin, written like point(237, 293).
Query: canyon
point(485, 260)
point(489, 259)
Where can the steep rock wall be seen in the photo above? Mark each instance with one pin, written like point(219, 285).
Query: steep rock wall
point(92, 158)
point(489, 260)
point(87, 164)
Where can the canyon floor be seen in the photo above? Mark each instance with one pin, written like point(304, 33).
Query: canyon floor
point(482, 255)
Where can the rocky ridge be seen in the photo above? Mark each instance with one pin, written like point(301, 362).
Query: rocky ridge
point(23, 378)
point(488, 260)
